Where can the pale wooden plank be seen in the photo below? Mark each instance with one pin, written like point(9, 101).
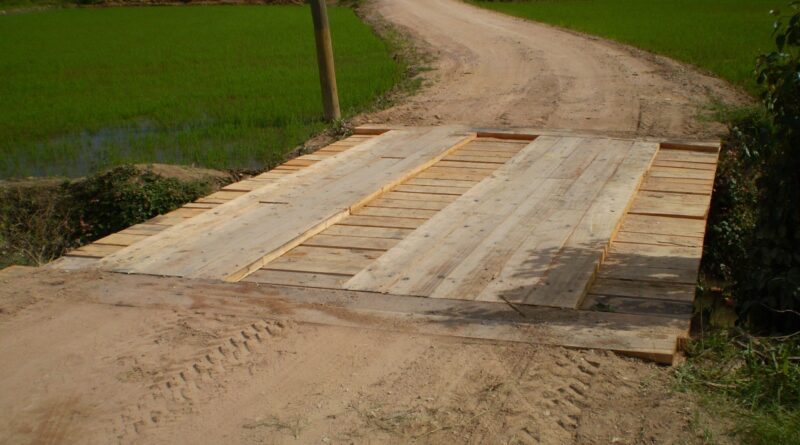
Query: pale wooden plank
point(395, 212)
point(467, 165)
point(420, 262)
point(664, 251)
point(658, 239)
point(440, 182)
point(671, 204)
point(689, 165)
point(225, 195)
point(350, 242)
point(382, 221)
point(675, 185)
point(573, 269)
point(121, 239)
point(95, 250)
point(238, 237)
point(671, 172)
point(409, 204)
point(323, 260)
point(302, 279)
point(686, 156)
point(644, 290)
point(429, 174)
point(367, 232)
point(427, 197)
point(247, 185)
point(466, 157)
point(439, 190)
point(663, 225)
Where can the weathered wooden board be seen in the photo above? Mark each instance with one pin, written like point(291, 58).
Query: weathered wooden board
point(240, 236)
point(557, 194)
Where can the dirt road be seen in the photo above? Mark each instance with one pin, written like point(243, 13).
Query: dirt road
point(76, 369)
point(493, 70)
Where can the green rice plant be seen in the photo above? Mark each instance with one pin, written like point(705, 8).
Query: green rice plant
point(215, 86)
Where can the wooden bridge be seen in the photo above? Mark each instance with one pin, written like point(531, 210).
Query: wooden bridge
point(573, 240)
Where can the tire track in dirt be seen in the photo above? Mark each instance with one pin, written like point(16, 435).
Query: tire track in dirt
point(199, 379)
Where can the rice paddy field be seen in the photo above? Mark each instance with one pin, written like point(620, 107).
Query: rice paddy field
point(213, 86)
point(723, 37)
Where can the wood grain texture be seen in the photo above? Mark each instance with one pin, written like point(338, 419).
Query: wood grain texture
point(238, 237)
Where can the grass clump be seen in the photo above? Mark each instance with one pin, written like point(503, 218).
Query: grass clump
point(756, 380)
point(40, 220)
point(721, 36)
point(215, 86)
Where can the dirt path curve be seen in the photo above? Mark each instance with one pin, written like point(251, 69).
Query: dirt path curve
point(494, 70)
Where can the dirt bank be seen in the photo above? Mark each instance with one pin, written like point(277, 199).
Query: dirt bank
point(494, 70)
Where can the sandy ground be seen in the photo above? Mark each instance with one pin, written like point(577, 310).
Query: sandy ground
point(76, 370)
point(492, 70)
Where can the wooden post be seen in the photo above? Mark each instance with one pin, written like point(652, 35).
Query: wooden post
point(327, 73)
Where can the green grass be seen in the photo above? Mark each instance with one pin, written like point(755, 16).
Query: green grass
point(216, 86)
point(720, 36)
point(754, 381)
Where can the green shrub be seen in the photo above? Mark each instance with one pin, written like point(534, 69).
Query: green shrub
point(769, 287)
point(40, 220)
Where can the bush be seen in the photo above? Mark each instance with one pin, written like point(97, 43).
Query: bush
point(769, 287)
point(40, 220)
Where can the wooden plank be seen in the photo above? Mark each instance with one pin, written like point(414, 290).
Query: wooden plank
point(671, 204)
point(658, 239)
point(199, 205)
point(301, 279)
point(644, 290)
point(367, 232)
point(185, 213)
point(437, 174)
point(421, 262)
point(663, 251)
point(409, 204)
point(625, 305)
point(572, 271)
point(440, 182)
point(625, 271)
point(350, 242)
point(323, 260)
point(654, 338)
point(431, 189)
point(459, 171)
point(382, 221)
point(671, 172)
point(467, 157)
point(686, 156)
point(663, 225)
point(633, 260)
point(95, 250)
point(121, 239)
point(247, 185)
point(225, 195)
point(689, 165)
point(143, 229)
point(240, 236)
point(426, 197)
point(467, 165)
point(674, 185)
point(395, 212)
